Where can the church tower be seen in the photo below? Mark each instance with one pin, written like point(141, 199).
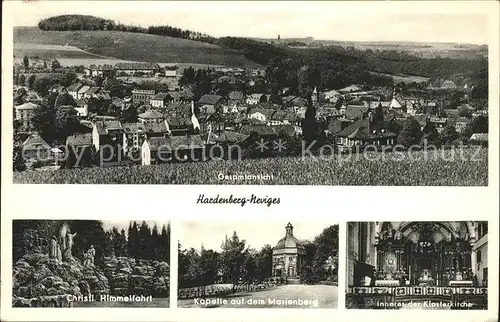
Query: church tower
point(289, 229)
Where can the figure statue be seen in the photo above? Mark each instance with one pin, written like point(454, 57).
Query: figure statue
point(53, 247)
point(59, 253)
point(86, 259)
point(398, 235)
point(92, 254)
point(89, 256)
point(69, 240)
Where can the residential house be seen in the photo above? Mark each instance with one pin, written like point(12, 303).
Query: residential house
point(100, 70)
point(107, 138)
point(236, 98)
point(210, 103)
point(261, 114)
point(461, 124)
point(256, 98)
point(353, 112)
point(365, 131)
point(142, 96)
point(92, 92)
point(80, 94)
point(184, 95)
point(35, 148)
point(332, 96)
point(137, 69)
point(82, 107)
point(212, 122)
point(448, 85)
point(277, 118)
point(291, 118)
point(179, 125)
point(104, 95)
point(422, 120)
point(439, 122)
point(24, 114)
point(134, 135)
point(350, 89)
point(158, 150)
point(479, 138)
point(160, 100)
point(73, 90)
point(151, 116)
point(157, 129)
point(79, 149)
point(171, 71)
point(57, 88)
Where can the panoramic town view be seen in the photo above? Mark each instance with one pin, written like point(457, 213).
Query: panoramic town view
point(225, 265)
point(97, 101)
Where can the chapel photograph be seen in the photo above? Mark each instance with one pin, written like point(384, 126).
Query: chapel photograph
point(90, 263)
point(417, 265)
point(258, 265)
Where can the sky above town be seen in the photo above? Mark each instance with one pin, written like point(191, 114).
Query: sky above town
point(256, 234)
point(329, 20)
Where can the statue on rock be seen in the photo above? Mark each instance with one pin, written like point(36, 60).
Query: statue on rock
point(59, 253)
point(89, 257)
point(53, 247)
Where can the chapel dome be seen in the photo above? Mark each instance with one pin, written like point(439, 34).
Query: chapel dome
point(289, 241)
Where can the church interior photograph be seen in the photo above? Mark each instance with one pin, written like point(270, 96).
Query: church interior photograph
point(417, 265)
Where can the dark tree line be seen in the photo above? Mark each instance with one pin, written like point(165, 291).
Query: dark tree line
point(140, 241)
point(91, 23)
point(145, 242)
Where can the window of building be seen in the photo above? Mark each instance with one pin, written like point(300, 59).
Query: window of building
point(478, 256)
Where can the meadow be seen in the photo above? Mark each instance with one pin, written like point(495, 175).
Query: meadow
point(461, 167)
point(127, 46)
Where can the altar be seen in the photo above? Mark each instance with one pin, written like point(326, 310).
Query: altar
point(461, 283)
point(426, 278)
point(387, 283)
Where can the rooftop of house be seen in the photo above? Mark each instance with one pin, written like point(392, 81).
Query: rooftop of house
point(161, 96)
point(236, 95)
point(74, 87)
point(35, 142)
point(27, 106)
point(175, 143)
point(103, 127)
point(208, 99)
point(137, 66)
point(131, 128)
point(79, 140)
point(150, 114)
point(365, 129)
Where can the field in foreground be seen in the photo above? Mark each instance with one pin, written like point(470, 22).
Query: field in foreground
point(461, 167)
point(325, 295)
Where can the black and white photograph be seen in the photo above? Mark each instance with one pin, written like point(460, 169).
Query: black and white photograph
point(170, 93)
point(90, 263)
point(425, 265)
point(258, 265)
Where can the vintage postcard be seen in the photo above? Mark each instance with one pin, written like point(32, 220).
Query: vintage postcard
point(229, 160)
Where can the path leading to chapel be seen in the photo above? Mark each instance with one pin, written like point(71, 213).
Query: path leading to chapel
point(324, 295)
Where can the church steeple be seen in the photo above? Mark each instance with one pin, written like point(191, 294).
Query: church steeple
point(289, 229)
